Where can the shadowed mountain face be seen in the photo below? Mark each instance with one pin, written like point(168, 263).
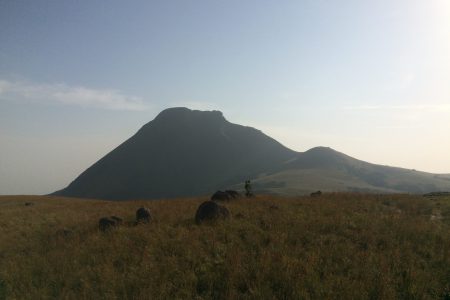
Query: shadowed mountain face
point(180, 153)
point(186, 152)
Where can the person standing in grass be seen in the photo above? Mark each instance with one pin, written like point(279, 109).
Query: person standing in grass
point(248, 188)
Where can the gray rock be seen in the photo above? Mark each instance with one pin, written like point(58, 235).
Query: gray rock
point(143, 215)
point(220, 196)
point(108, 223)
point(233, 194)
point(211, 211)
point(316, 194)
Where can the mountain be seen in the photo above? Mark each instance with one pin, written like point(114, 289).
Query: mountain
point(325, 169)
point(181, 152)
point(185, 152)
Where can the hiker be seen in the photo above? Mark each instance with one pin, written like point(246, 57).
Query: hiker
point(248, 188)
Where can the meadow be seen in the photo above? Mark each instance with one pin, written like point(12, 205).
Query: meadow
point(337, 246)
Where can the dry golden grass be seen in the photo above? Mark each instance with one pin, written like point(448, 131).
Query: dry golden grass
point(338, 246)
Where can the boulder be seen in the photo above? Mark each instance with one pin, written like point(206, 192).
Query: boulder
point(107, 223)
point(143, 215)
point(220, 196)
point(316, 194)
point(211, 211)
point(232, 194)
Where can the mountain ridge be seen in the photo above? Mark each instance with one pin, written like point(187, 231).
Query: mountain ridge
point(184, 152)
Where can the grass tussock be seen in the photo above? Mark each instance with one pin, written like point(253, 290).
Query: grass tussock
point(338, 246)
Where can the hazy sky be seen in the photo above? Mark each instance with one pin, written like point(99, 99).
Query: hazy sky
point(367, 78)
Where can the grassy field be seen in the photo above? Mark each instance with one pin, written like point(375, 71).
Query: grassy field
point(338, 246)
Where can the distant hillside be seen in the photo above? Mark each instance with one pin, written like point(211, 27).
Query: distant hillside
point(325, 169)
point(186, 152)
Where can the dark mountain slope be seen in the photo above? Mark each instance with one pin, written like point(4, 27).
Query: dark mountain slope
point(186, 152)
point(180, 153)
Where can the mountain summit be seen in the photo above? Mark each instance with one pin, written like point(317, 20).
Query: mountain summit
point(182, 152)
point(185, 152)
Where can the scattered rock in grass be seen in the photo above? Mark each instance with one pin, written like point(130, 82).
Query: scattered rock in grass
point(316, 194)
point(143, 215)
point(108, 223)
point(210, 211)
point(233, 194)
point(227, 195)
point(220, 196)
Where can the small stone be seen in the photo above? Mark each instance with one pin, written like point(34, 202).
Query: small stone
point(108, 223)
point(143, 215)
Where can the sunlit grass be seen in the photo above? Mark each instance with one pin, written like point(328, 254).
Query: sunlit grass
point(336, 246)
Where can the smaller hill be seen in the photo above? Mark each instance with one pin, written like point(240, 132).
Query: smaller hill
point(325, 169)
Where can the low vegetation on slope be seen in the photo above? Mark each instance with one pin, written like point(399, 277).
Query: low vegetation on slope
point(186, 153)
point(331, 247)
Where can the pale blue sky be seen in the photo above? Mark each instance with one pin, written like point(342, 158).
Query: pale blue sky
point(367, 78)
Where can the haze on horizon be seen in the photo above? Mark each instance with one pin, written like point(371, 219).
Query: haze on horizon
point(369, 79)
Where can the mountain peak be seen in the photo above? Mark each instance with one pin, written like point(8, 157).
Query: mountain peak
point(180, 113)
point(182, 152)
point(321, 150)
point(185, 152)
